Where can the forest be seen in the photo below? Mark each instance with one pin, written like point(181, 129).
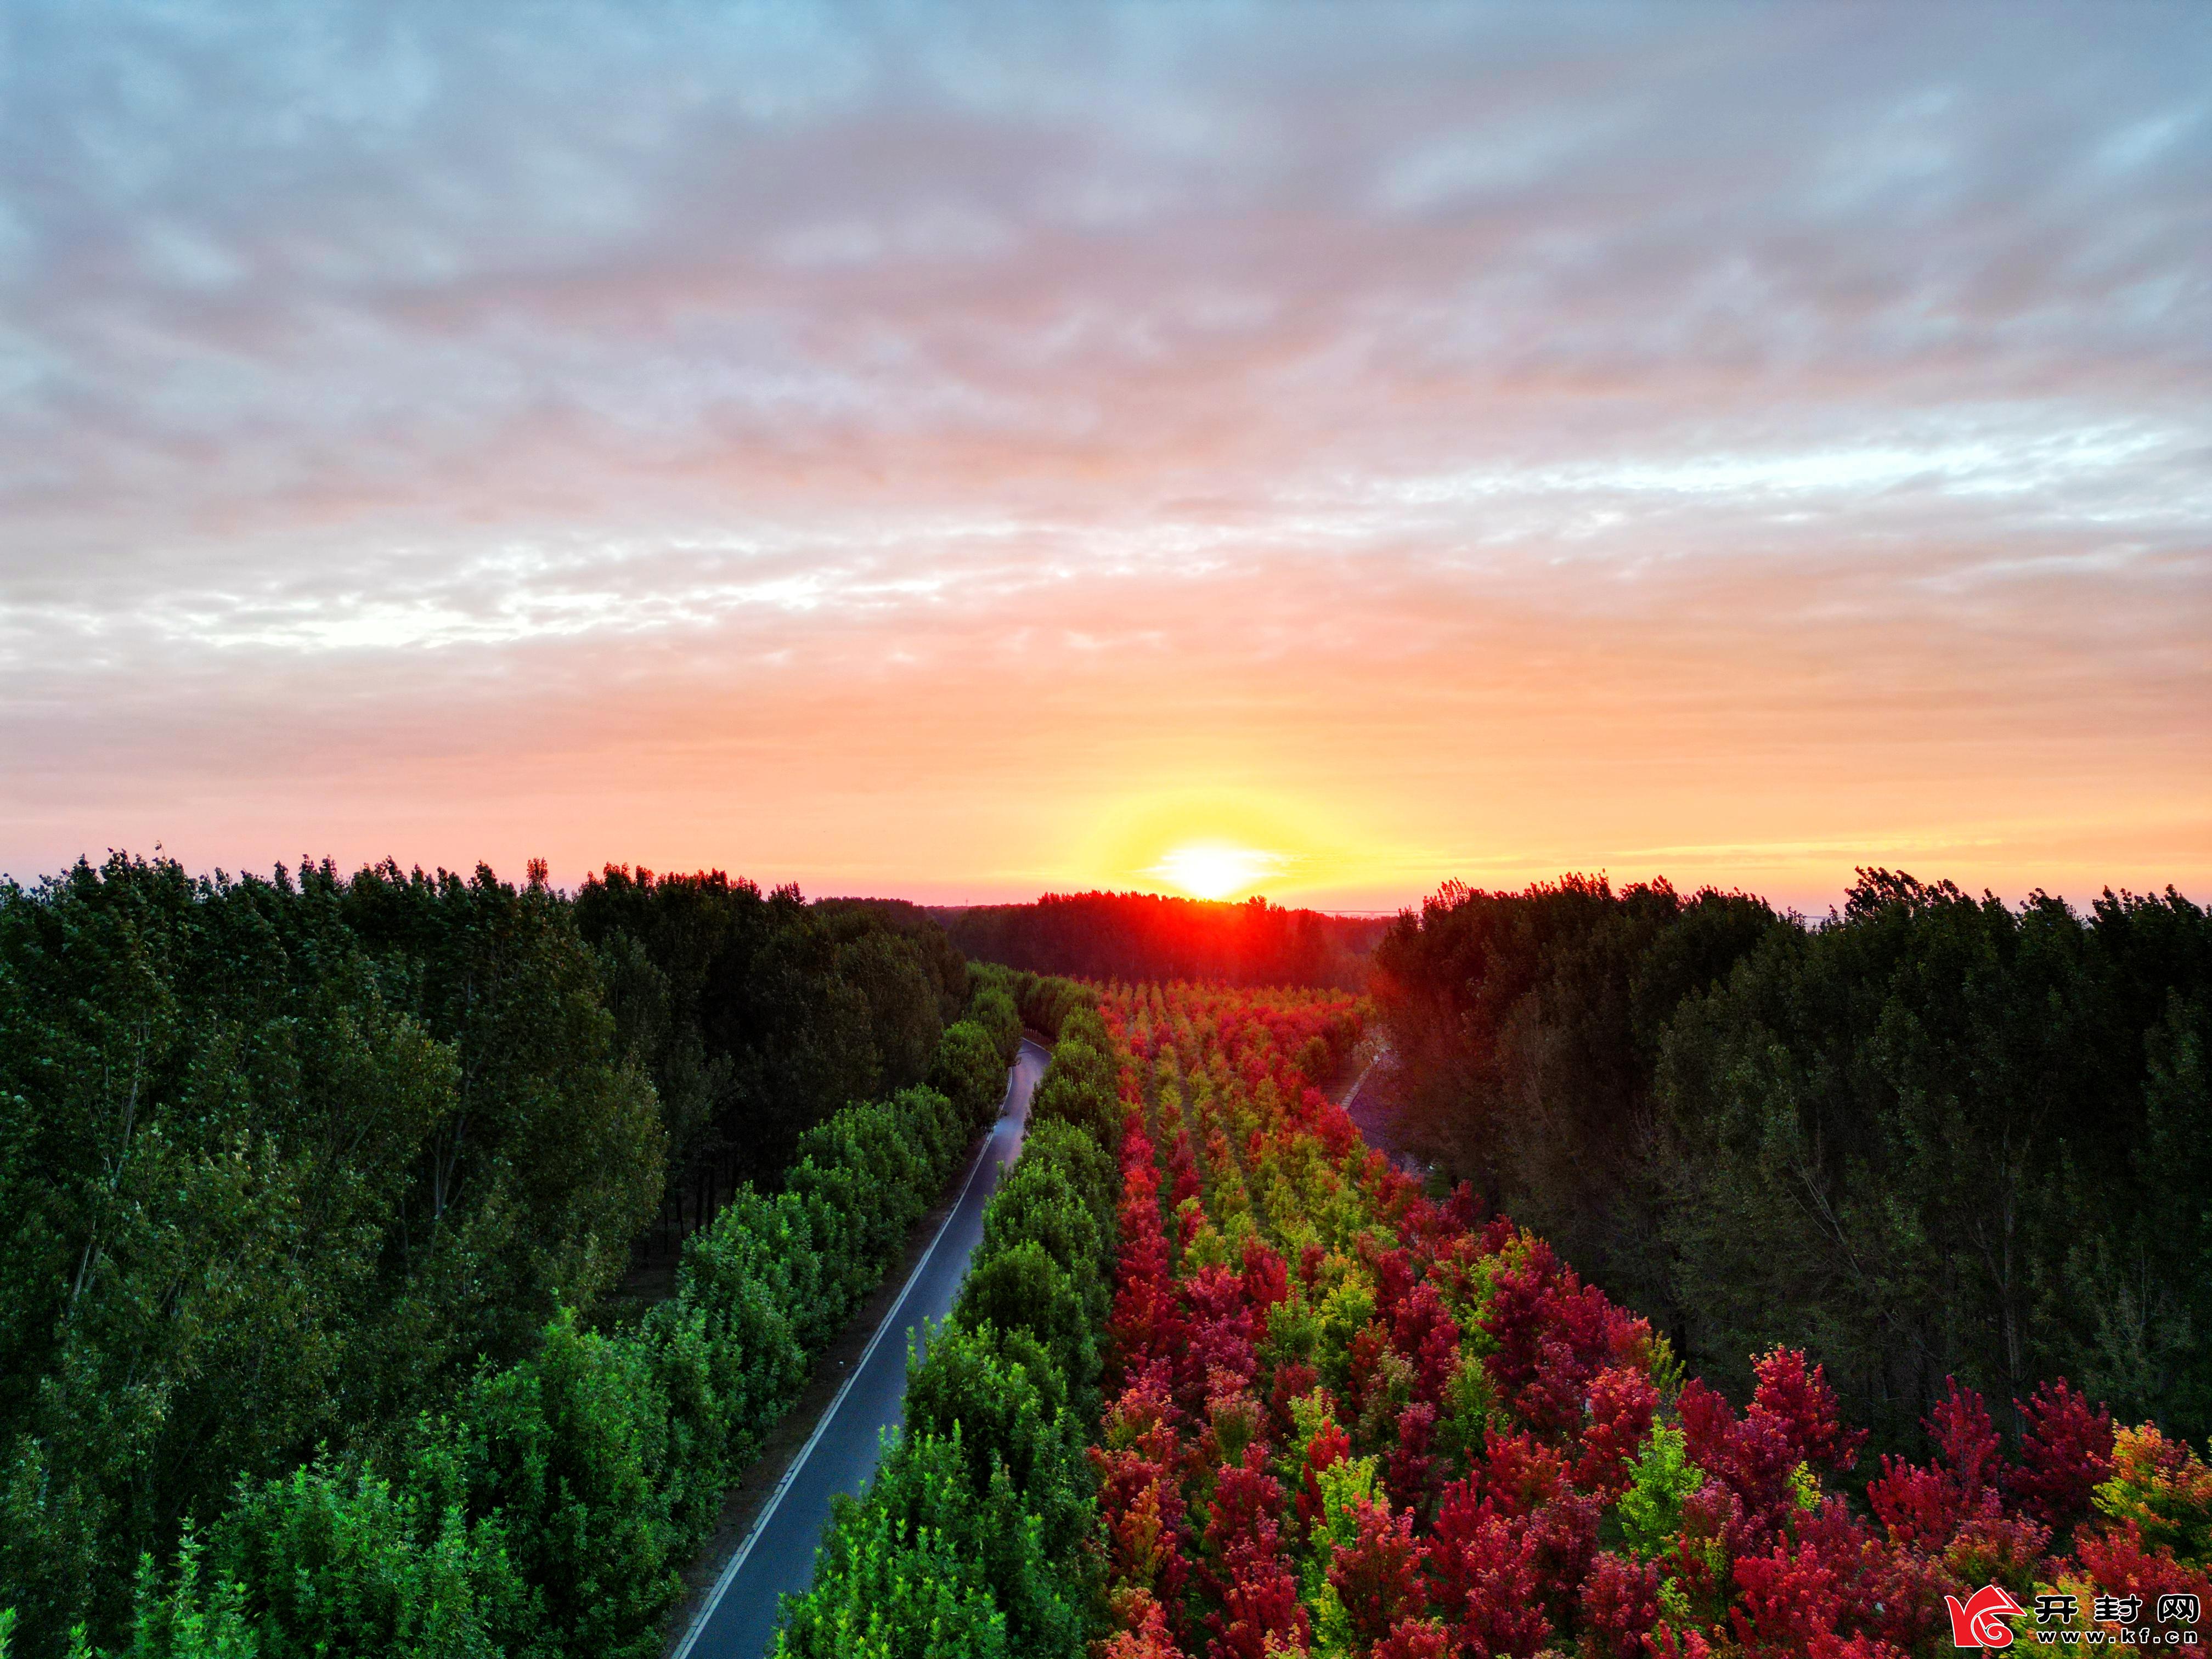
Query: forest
point(1150, 936)
point(407, 1264)
point(319, 1194)
point(1322, 1406)
point(1929, 1137)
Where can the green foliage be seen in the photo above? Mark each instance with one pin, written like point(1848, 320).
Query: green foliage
point(184, 1619)
point(1084, 1161)
point(350, 1562)
point(1470, 1408)
point(1528, 1025)
point(970, 1072)
point(973, 1536)
point(1023, 1288)
point(564, 1446)
point(993, 1010)
point(899, 1576)
point(1935, 1135)
point(2162, 1488)
point(544, 1507)
point(758, 1015)
point(980, 1391)
point(1650, 1510)
point(1037, 1203)
point(1079, 1088)
point(1943, 1137)
point(869, 1144)
point(279, 1162)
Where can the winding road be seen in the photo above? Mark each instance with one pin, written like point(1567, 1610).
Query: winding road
point(737, 1619)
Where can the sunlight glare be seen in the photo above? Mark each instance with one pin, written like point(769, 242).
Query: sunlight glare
point(1212, 870)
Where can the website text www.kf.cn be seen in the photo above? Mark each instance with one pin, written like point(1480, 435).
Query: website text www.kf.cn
point(1983, 1620)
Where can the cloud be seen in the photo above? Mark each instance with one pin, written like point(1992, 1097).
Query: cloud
point(1454, 403)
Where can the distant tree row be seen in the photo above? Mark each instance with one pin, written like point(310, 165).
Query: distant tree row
point(757, 1015)
point(284, 1162)
point(1931, 1136)
point(1147, 936)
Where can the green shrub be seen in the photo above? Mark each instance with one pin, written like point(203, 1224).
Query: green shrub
point(1001, 1394)
point(899, 1577)
point(1089, 1167)
point(993, 1010)
point(566, 1446)
point(348, 1563)
point(1037, 1204)
point(547, 1512)
point(972, 1537)
point(969, 1070)
point(1080, 1089)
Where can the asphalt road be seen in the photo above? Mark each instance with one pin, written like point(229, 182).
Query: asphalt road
point(739, 1615)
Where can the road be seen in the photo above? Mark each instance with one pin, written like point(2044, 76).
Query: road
point(738, 1616)
point(1375, 1114)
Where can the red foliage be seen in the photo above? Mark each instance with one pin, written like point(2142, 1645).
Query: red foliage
point(1330, 1445)
point(1337, 1132)
point(1217, 1335)
point(1259, 1606)
point(1553, 1332)
point(1510, 1562)
point(1622, 1403)
point(1621, 1604)
point(1407, 1472)
point(1792, 1605)
point(1310, 1257)
point(1266, 1283)
point(1369, 1344)
point(1566, 1534)
point(1926, 1507)
point(1423, 1329)
point(2065, 1454)
point(1378, 1574)
point(1246, 1502)
point(1483, 1576)
point(1394, 1282)
point(1805, 1406)
point(1182, 1165)
point(1414, 1638)
point(2119, 1563)
point(1144, 1632)
point(1520, 1472)
point(1140, 1489)
point(1752, 1456)
point(1897, 1597)
point(1246, 1571)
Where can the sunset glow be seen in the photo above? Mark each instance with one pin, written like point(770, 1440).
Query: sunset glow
point(958, 455)
point(1210, 871)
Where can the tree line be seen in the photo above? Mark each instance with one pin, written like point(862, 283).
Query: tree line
point(975, 1536)
point(1134, 936)
point(754, 1015)
point(1931, 1136)
point(313, 1189)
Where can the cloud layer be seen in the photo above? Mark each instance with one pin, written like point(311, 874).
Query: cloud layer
point(959, 451)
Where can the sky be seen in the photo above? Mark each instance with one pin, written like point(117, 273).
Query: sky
point(960, 451)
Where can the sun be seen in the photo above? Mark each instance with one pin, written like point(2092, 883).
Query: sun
point(1211, 870)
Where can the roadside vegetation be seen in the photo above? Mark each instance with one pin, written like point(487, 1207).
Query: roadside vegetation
point(1931, 1136)
point(313, 1191)
point(1348, 1415)
point(408, 1265)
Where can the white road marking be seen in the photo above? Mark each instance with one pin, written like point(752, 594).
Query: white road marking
point(729, 1573)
